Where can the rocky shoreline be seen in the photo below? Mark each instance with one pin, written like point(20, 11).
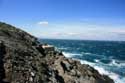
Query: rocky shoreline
point(24, 60)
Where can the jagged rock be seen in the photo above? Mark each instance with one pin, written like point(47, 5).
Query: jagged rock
point(66, 66)
point(22, 60)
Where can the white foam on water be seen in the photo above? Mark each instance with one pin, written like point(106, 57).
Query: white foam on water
point(86, 62)
point(114, 76)
point(87, 53)
point(69, 55)
point(118, 64)
point(96, 60)
point(63, 48)
point(101, 69)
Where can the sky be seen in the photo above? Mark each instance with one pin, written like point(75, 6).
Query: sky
point(67, 19)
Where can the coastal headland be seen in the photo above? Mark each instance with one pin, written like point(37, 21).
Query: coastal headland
point(23, 59)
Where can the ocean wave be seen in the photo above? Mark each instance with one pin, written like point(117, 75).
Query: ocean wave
point(117, 78)
point(87, 53)
point(100, 67)
point(97, 61)
point(63, 48)
point(93, 55)
point(117, 63)
point(70, 54)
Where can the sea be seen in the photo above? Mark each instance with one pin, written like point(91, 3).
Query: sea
point(108, 57)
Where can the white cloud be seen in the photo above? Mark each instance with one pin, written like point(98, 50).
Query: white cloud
point(43, 23)
point(65, 33)
point(80, 31)
point(72, 34)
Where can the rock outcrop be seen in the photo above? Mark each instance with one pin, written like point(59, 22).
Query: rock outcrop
point(23, 60)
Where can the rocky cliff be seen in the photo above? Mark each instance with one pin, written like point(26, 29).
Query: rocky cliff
point(23, 60)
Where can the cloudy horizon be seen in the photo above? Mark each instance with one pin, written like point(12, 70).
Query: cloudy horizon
point(72, 19)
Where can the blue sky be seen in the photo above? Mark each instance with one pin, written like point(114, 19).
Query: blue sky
point(67, 19)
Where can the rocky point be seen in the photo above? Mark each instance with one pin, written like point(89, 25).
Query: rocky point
point(24, 60)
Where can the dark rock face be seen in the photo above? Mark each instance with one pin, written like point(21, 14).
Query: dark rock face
point(20, 60)
point(2, 53)
point(23, 61)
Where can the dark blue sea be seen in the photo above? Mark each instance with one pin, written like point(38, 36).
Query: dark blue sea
point(108, 57)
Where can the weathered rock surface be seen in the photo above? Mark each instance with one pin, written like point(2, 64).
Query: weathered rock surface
point(23, 61)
